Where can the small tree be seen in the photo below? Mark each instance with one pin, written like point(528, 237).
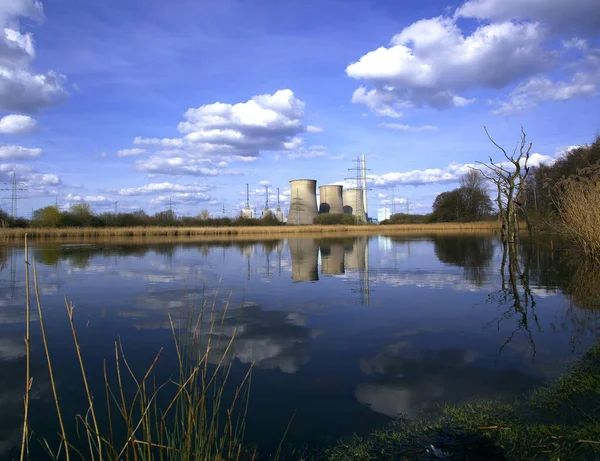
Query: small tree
point(81, 214)
point(49, 216)
point(204, 215)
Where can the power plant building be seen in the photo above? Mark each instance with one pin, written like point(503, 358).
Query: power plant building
point(330, 198)
point(303, 201)
point(383, 214)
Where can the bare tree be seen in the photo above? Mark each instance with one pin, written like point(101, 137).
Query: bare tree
point(473, 179)
point(509, 178)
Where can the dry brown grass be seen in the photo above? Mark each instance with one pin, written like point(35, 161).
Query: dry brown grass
point(262, 232)
point(578, 216)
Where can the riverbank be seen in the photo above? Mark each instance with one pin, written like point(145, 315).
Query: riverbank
point(255, 231)
point(558, 421)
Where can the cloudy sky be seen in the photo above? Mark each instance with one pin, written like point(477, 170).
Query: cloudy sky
point(146, 102)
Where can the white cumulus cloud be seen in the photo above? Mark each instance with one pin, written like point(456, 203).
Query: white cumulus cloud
point(232, 132)
point(181, 166)
point(433, 63)
point(22, 89)
point(93, 199)
point(17, 124)
point(574, 16)
point(8, 153)
point(583, 81)
point(450, 174)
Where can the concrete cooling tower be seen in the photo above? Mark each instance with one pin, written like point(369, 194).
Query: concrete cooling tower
point(305, 255)
point(331, 199)
point(332, 257)
point(303, 201)
point(353, 203)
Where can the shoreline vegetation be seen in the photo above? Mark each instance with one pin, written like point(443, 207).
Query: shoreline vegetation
point(558, 421)
point(259, 231)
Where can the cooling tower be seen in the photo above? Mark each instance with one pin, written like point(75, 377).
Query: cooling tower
point(331, 199)
point(303, 201)
point(305, 254)
point(353, 203)
point(332, 257)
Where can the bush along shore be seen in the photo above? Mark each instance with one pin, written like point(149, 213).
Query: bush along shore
point(560, 421)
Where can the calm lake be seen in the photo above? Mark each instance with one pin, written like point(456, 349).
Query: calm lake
point(344, 334)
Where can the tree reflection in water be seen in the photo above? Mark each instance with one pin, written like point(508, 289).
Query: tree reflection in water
point(515, 298)
point(473, 253)
point(578, 279)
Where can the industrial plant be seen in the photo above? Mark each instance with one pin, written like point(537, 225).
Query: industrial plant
point(333, 199)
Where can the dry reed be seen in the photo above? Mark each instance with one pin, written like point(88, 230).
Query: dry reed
point(191, 426)
point(578, 216)
point(28, 379)
point(262, 231)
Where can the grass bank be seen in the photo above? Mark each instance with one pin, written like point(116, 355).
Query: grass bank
point(560, 421)
point(261, 231)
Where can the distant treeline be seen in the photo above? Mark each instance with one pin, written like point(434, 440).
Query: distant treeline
point(80, 215)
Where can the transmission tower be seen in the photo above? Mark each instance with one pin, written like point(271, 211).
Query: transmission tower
point(360, 179)
point(15, 188)
point(393, 210)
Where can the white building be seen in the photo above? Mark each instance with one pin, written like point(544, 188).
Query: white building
point(247, 212)
point(383, 214)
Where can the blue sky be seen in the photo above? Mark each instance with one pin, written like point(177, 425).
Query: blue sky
point(146, 102)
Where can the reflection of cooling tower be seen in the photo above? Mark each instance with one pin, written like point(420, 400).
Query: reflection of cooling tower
point(332, 258)
point(355, 257)
point(305, 254)
point(353, 202)
point(331, 199)
point(303, 201)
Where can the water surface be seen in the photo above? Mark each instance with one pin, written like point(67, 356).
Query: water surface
point(343, 333)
